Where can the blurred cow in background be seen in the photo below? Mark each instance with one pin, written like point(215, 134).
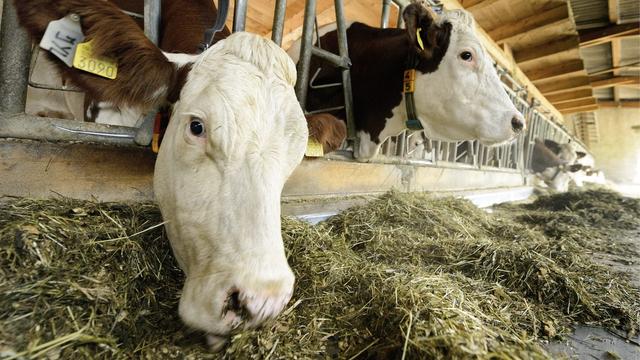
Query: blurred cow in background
point(553, 163)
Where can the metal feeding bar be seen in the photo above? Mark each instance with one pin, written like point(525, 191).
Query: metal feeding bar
point(341, 60)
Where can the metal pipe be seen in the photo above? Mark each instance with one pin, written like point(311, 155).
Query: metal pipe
point(39, 128)
point(336, 60)
point(400, 24)
point(386, 9)
point(152, 11)
point(278, 21)
point(304, 61)
point(239, 15)
point(15, 51)
point(346, 73)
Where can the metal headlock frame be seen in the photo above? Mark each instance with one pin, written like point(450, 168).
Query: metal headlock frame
point(15, 52)
point(307, 49)
point(16, 55)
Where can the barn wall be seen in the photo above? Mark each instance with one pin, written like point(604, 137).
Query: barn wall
point(617, 152)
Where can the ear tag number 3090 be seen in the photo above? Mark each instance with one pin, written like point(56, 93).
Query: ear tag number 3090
point(101, 66)
point(62, 37)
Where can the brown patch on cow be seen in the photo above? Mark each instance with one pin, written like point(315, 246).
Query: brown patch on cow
point(181, 79)
point(143, 71)
point(543, 157)
point(327, 130)
point(183, 23)
point(379, 58)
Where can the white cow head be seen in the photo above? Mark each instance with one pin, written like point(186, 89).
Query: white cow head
point(463, 98)
point(235, 136)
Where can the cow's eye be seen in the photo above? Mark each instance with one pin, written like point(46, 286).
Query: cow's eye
point(466, 56)
point(196, 126)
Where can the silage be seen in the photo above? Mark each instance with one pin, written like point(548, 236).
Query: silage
point(403, 276)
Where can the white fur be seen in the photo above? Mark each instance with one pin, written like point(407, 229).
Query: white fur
point(460, 100)
point(220, 193)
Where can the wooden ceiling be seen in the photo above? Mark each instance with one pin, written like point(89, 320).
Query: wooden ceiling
point(545, 44)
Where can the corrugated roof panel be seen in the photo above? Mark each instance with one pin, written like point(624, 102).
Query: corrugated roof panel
point(630, 50)
point(603, 93)
point(597, 57)
point(590, 13)
point(628, 92)
point(629, 10)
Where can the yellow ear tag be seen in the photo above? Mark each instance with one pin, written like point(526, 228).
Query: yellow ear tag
point(419, 38)
point(314, 148)
point(85, 61)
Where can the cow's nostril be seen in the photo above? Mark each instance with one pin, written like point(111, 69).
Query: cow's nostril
point(517, 124)
point(234, 301)
point(235, 305)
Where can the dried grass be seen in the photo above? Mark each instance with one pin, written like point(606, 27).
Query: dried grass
point(405, 276)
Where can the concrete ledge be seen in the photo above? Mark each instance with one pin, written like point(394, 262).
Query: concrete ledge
point(109, 173)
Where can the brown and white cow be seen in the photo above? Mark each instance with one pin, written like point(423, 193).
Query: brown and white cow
point(458, 94)
point(553, 163)
point(235, 135)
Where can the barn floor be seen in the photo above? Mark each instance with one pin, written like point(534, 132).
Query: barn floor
point(596, 342)
point(403, 275)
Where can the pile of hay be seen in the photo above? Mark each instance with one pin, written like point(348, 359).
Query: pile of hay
point(405, 276)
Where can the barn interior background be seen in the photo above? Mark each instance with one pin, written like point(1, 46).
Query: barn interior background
point(572, 66)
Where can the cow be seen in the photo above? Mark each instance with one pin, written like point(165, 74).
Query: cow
point(328, 130)
point(182, 25)
point(236, 133)
point(457, 92)
point(553, 163)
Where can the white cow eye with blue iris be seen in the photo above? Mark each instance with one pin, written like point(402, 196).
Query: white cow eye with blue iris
point(196, 126)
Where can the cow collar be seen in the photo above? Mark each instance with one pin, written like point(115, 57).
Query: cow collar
point(409, 85)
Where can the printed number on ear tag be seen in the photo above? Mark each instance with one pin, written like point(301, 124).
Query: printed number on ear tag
point(314, 148)
point(62, 37)
point(101, 66)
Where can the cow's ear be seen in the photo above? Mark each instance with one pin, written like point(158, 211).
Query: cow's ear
point(581, 154)
point(145, 77)
point(426, 35)
point(552, 145)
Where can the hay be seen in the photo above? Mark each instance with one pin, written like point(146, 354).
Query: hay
point(405, 276)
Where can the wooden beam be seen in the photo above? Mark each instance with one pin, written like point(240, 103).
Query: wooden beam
point(575, 83)
point(559, 46)
point(618, 80)
point(478, 5)
point(580, 109)
point(616, 53)
point(605, 34)
point(570, 96)
point(632, 67)
point(561, 69)
point(614, 13)
point(529, 23)
point(616, 104)
point(294, 22)
point(576, 103)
